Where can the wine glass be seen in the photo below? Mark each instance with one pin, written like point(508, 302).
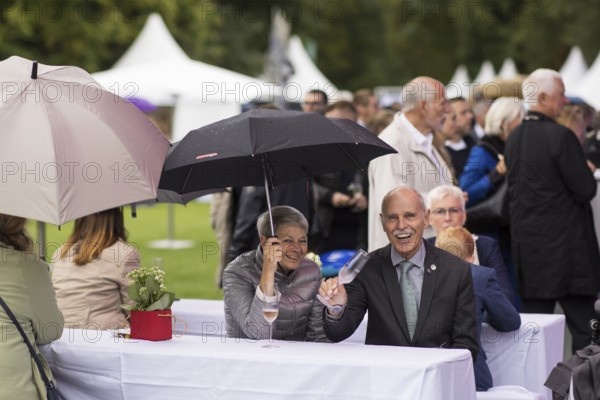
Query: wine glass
point(356, 190)
point(270, 312)
point(349, 271)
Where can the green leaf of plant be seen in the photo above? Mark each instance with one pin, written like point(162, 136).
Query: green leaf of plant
point(133, 292)
point(161, 304)
point(128, 307)
point(171, 300)
point(152, 285)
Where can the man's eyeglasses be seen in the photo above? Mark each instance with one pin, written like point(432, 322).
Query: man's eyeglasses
point(440, 212)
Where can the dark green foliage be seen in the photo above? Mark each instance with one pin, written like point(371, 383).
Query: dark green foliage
point(356, 43)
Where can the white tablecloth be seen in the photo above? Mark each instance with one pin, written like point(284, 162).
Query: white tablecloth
point(203, 317)
point(96, 364)
point(520, 358)
point(207, 318)
point(526, 357)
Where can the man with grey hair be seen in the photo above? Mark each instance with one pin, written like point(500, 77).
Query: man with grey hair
point(446, 205)
point(417, 164)
point(550, 187)
point(416, 294)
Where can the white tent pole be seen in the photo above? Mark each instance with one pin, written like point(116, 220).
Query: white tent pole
point(170, 222)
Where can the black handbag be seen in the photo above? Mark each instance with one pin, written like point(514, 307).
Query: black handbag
point(51, 391)
point(492, 212)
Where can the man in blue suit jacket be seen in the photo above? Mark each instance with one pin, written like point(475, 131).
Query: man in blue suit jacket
point(491, 305)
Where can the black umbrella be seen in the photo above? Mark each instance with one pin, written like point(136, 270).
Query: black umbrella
point(172, 197)
point(268, 147)
point(175, 196)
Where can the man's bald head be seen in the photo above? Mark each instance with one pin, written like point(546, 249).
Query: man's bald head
point(425, 104)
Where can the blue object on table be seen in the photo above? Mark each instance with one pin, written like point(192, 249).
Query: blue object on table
point(333, 261)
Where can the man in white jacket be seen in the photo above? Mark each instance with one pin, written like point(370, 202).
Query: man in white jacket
point(417, 164)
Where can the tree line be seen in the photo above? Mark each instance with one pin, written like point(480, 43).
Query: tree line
point(355, 43)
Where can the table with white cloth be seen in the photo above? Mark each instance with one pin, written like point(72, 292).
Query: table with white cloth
point(202, 317)
point(96, 364)
point(520, 358)
point(525, 357)
point(207, 318)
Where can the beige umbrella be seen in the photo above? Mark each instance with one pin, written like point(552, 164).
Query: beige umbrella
point(69, 148)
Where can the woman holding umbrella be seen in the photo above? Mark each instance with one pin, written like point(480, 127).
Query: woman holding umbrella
point(26, 289)
point(277, 270)
point(89, 272)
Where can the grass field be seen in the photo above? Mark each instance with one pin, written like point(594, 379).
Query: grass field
point(189, 272)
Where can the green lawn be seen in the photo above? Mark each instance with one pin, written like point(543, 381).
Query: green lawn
point(189, 272)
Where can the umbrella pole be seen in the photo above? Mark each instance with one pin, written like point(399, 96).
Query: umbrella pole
point(265, 169)
point(269, 204)
point(41, 235)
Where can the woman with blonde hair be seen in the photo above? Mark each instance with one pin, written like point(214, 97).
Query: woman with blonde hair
point(26, 289)
point(89, 272)
point(485, 168)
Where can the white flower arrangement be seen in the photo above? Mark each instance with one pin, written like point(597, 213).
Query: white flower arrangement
point(314, 257)
point(148, 290)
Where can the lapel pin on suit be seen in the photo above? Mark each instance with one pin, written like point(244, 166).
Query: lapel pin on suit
point(432, 268)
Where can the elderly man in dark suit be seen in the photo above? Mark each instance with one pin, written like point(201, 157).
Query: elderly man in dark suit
point(416, 295)
point(550, 186)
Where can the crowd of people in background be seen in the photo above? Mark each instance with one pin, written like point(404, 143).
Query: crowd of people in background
point(410, 209)
point(454, 155)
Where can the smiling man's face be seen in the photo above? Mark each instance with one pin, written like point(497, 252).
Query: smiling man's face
point(404, 219)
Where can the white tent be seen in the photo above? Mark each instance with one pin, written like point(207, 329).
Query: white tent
point(306, 76)
point(588, 87)
point(154, 44)
point(486, 73)
point(458, 86)
point(508, 70)
point(573, 69)
point(157, 69)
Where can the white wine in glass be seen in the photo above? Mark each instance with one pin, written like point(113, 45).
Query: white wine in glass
point(349, 271)
point(270, 312)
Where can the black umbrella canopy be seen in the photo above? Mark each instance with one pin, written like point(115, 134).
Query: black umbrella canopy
point(169, 196)
point(175, 197)
point(291, 145)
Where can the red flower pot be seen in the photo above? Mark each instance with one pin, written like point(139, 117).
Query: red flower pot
point(151, 325)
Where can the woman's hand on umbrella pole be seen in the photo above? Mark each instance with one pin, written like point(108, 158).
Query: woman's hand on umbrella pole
point(272, 254)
